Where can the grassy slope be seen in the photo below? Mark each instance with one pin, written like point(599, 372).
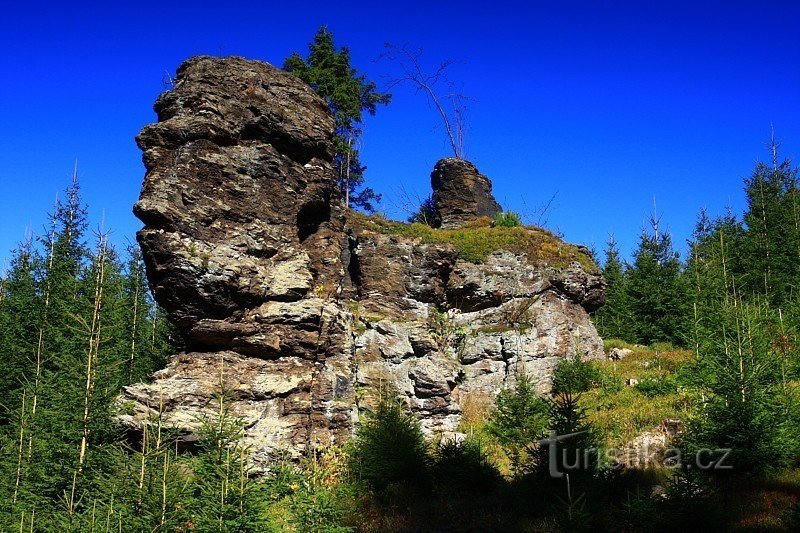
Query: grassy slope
point(621, 412)
point(476, 241)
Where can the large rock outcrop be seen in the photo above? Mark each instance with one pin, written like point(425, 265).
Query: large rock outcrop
point(305, 313)
point(460, 193)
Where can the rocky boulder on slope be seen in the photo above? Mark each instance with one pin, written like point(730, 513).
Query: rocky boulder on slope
point(460, 193)
point(304, 312)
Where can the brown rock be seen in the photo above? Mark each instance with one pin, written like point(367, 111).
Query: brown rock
point(460, 193)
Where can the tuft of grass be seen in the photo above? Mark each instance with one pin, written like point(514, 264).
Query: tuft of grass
point(476, 241)
point(610, 344)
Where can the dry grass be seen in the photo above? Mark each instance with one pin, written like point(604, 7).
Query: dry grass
point(477, 240)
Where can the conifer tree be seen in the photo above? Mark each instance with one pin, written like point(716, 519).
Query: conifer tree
point(349, 95)
point(771, 247)
point(19, 317)
point(657, 289)
point(226, 497)
point(614, 320)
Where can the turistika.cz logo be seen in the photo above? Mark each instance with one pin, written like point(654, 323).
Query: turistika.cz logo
point(577, 458)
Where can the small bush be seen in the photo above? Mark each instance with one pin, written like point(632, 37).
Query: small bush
point(507, 219)
point(574, 375)
point(463, 466)
point(662, 347)
point(610, 344)
point(520, 419)
point(390, 449)
point(611, 382)
point(652, 387)
point(426, 213)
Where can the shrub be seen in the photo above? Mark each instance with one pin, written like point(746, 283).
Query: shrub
point(660, 386)
point(577, 454)
point(611, 382)
point(520, 419)
point(574, 375)
point(610, 344)
point(426, 213)
point(302, 499)
point(463, 465)
point(389, 448)
point(507, 219)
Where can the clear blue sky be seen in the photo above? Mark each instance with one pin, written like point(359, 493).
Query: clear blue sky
point(605, 104)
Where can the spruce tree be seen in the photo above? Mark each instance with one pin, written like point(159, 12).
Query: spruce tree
point(327, 69)
point(657, 289)
point(771, 247)
point(615, 320)
point(20, 313)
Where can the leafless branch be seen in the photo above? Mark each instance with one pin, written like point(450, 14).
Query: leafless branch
point(450, 105)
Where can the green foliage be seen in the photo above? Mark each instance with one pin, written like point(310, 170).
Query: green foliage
point(460, 465)
point(507, 219)
point(448, 336)
point(69, 345)
point(771, 244)
point(520, 419)
point(426, 213)
point(389, 449)
point(752, 406)
point(615, 319)
point(653, 387)
point(575, 375)
point(577, 454)
point(349, 95)
point(226, 498)
point(657, 290)
point(477, 241)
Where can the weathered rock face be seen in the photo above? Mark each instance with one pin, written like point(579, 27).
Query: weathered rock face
point(303, 316)
point(461, 193)
point(243, 249)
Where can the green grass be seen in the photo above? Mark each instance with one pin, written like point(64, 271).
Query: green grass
point(621, 412)
point(476, 241)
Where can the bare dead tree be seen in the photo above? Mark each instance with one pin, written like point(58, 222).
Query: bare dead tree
point(440, 91)
point(537, 215)
point(414, 206)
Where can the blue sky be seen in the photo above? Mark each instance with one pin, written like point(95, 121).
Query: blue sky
point(606, 105)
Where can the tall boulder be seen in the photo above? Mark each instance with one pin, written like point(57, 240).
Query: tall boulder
point(242, 242)
point(460, 193)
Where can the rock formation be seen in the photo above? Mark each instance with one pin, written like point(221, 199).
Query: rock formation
point(460, 193)
point(303, 312)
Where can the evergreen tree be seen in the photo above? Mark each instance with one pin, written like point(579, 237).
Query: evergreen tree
point(67, 337)
point(226, 497)
point(20, 309)
point(349, 95)
point(657, 290)
point(614, 320)
point(519, 420)
point(751, 408)
point(771, 247)
point(713, 269)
